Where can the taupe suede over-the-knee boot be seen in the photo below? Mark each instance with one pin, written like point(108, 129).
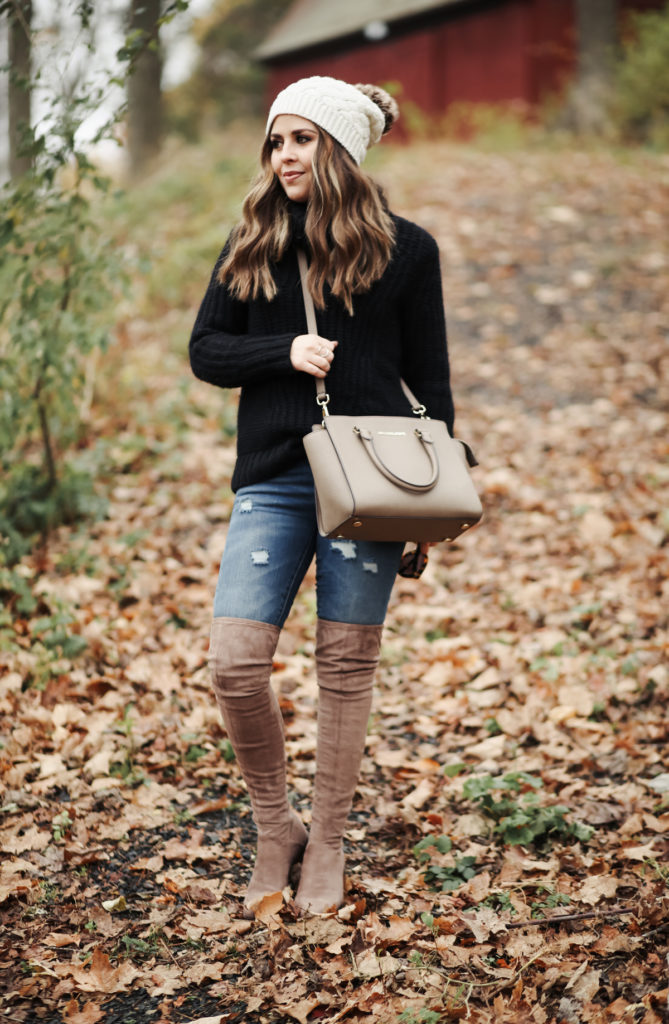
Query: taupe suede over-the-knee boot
point(346, 658)
point(241, 653)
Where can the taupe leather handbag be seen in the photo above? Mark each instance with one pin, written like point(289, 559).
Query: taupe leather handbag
point(387, 477)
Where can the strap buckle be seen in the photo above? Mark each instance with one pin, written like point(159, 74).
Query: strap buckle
point(323, 400)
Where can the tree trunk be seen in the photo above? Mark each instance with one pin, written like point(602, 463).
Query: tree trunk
point(20, 19)
point(145, 114)
point(597, 28)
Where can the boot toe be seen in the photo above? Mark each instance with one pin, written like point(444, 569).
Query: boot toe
point(321, 888)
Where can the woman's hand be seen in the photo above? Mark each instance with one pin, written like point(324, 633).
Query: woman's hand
point(312, 354)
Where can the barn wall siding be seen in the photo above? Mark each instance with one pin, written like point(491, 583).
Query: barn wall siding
point(486, 56)
point(490, 51)
point(552, 53)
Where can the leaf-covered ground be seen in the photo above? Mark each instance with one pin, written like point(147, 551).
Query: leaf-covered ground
point(523, 692)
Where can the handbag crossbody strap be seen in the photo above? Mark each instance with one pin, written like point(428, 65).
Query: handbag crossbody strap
point(322, 396)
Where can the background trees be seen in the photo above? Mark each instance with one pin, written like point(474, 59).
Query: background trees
point(59, 266)
point(145, 102)
point(19, 18)
point(60, 273)
point(597, 32)
point(227, 83)
point(642, 80)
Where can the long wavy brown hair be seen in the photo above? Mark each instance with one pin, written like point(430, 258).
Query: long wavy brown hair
point(348, 227)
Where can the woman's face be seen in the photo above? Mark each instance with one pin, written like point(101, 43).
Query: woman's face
point(293, 140)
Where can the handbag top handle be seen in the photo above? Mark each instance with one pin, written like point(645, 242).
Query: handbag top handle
point(322, 397)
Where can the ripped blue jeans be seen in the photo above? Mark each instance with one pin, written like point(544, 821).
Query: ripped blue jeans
point(271, 541)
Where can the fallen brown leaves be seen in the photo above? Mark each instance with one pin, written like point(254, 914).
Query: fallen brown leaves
point(537, 645)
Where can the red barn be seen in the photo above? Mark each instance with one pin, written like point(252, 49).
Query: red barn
point(438, 51)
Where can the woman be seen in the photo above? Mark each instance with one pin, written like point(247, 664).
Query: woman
point(376, 284)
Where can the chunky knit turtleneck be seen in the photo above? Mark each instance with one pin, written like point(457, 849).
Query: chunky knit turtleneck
point(397, 330)
point(298, 219)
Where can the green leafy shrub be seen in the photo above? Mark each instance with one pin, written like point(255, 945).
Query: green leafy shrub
point(41, 622)
point(551, 900)
point(60, 276)
point(445, 878)
point(422, 1016)
point(519, 817)
point(448, 879)
point(641, 106)
point(499, 901)
point(423, 849)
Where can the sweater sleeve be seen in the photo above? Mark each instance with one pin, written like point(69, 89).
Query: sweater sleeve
point(221, 350)
point(425, 365)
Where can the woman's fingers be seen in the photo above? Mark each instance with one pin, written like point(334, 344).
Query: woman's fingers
point(315, 366)
point(321, 359)
point(312, 354)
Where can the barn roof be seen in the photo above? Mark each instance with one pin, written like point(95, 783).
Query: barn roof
point(309, 22)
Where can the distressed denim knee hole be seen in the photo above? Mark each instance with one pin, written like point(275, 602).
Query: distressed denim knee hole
point(346, 548)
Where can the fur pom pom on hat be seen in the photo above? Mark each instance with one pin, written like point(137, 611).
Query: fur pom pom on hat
point(355, 115)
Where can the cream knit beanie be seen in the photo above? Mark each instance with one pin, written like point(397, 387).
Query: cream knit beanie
point(355, 115)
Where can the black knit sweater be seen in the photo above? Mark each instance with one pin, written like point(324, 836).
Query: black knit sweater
point(397, 330)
